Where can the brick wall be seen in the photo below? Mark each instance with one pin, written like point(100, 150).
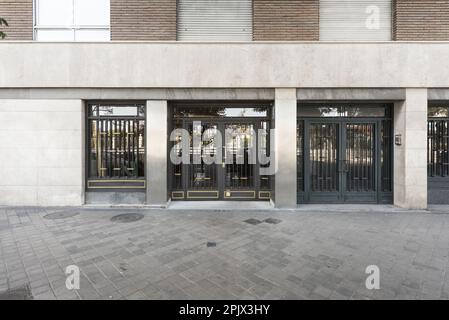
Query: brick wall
point(287, 20)
point(143, 20)
point(19, 15)
point(421, 20)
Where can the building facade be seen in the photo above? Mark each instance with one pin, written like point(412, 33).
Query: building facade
point(292, 102)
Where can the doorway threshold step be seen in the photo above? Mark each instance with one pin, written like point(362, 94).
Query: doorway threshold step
point(351, 208)
point(220, 205)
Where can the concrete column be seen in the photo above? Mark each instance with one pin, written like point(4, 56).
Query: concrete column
point(156, 143)
point(285, 148)
point(410, 158)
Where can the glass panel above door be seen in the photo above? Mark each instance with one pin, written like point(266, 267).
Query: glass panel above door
point(319, 111)
point(347, 110)
point(131, 110)
point(221, 112)
point(438, 111)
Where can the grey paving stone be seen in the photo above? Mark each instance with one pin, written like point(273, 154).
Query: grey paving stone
point(316, 255)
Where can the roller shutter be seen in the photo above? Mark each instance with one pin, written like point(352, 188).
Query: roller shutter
point(355, 20)
point(215, 20)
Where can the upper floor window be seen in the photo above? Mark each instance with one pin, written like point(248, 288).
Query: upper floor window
point(355, 20)
point(72, 20)
point(215, 20)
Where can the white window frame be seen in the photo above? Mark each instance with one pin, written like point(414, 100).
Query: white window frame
point(72, 27)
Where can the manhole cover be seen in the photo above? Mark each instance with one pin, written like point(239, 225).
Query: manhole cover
point(211, 244)
point(127, 217)
point(21, 293)
point(253, 221)
point(61, 215)
point(272, 221)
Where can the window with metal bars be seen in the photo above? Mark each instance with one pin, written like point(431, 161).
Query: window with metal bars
point(438, 141)
point(116, 146)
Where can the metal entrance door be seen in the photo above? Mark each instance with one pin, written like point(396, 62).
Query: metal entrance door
point(222, 170)
point(340, 161)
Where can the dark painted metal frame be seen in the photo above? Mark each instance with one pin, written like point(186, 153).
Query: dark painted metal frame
point(438, 185)
point(88, 117)
point(343, 196)
point(221, 122)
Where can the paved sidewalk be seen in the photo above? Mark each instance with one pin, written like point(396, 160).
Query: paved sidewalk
point(188, 254)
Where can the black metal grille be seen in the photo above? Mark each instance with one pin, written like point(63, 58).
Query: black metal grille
point(116, 142)
point(177, 181)
point(323, 157)
point(202, 176)
point(300, 155)
point(265, 180)
point(239, 172)
point(438, 143)
point(386, 155)
point(359, 162)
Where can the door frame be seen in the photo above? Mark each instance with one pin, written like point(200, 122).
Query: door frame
point(342, 195)
point(244, 194)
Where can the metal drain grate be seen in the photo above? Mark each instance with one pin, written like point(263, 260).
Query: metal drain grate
point(253, 221)
point(127, 217)
point(20, 293)
point(272, 221)
point(61, 215)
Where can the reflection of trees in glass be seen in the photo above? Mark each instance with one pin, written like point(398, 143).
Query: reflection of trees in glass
point(260, 110)
point(326, 111)
point(330, 111)
point(108, 110)
point(3, 23)
point(343, 111)
point(352, 112)
point(439, 111)
point(219, 112)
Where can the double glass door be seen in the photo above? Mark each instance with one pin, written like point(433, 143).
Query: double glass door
point(340, 160)
point(223, 162)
